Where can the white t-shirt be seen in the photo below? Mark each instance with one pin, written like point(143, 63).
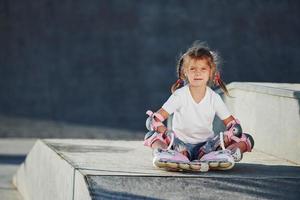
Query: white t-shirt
point(192, 122)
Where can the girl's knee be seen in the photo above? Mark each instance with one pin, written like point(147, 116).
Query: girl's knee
point(159, 144)
point(250, 140)
point(245, 143)
point(154, 138)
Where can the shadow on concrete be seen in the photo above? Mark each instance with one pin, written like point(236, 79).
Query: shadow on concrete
point(265, 188)
point(79, 148)
point(11, 159)
point(261, 181)
point(101, 193)
point(260, 170)
point(245, 181)
point(297, 96)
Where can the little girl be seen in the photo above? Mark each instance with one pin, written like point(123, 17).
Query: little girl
point(194, 105)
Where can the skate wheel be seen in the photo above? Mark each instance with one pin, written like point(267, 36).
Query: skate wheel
point(213, 164)
point(225, 164)
point(199, 166)
point(204, 167)
point(184, 166)
point(196, 167)
point(160, 164)
point(172, 165)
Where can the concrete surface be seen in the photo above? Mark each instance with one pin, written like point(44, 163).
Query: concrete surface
point(270, 112)
point(12, 153)
point(105, 169)
point(45, 175)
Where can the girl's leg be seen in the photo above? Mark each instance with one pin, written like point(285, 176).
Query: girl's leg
point(244, 145)
point(162, 142)
point(159, 144)
point(194, 151)
point(230, 145)
point(155, 140)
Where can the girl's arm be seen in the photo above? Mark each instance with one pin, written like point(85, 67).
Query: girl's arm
point(233, 125)
point(165, 114)
point(227, 120)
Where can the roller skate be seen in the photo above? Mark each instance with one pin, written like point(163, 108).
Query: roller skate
point(233, 133)
point(172, 160)
point(219, 160)
point(237, 154)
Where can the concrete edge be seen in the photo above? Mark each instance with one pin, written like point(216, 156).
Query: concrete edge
point(81, 191)
point(265, 88)
point(80, 184)
point(267, 111)
point(47, 175)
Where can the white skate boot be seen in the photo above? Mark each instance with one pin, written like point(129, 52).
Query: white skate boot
point(237, 154)
point(175, 161)
point(219, 160)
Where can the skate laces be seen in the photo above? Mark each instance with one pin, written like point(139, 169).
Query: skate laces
point(236, 155)
point(222, 140)
point(171, 141)
point(222, 144)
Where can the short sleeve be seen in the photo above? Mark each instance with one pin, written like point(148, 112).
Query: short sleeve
point(221, 109)
point(173, 103)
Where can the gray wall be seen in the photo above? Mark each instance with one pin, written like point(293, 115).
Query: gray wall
point(105, 62)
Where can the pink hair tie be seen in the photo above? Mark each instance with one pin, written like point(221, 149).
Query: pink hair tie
point(217, 78)
point(179, 81)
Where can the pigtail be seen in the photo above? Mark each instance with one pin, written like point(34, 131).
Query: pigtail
point(180, 81)
point(178, 84)
point(219, 82)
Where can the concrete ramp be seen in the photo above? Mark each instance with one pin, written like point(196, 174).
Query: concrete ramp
point(45, 174)
point(102, 169)
point(271, 113)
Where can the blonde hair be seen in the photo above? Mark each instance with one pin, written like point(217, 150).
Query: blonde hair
point(200, 50)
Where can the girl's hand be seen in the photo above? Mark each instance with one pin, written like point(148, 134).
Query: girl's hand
point(161, 129)
point(165, 114)
point(227, 120)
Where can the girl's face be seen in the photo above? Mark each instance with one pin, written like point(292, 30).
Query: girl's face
point(197, 72)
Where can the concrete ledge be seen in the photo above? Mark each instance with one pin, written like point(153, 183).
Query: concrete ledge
point(103, 169)
point(275, 89)
point(46, 175)
point(271, 113)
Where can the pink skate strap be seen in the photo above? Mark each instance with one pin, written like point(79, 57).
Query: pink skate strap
point(157, 115)
point(153, 138)
point(168, 139)
point(247, 141)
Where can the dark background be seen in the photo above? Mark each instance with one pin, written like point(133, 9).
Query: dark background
point(105, 62)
